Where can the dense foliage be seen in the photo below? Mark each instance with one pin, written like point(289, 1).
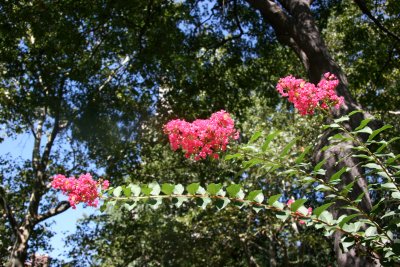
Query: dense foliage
point(93, 82)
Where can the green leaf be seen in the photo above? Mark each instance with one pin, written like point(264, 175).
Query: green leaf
point(366, 129)
point(388, 214)
point(388, 186)
point(372, 166)
point(129, 207)
point(177, 201)
point(146, 190)
point(273, 199)
point(117, 191)
point(268, 140)
point(396, 195)
point(155, 188)
point(234, 156)
point(252, 162)
point(363, 123)
point(333, 126)
point(347, 219)
point(355, 112)
point(287, 148)
point(319, 165)
point(127, 191)
point(386, 144)
point(155, 203)
point(376, 206)
point(336, 176)
point(360, 148)
point(371, 231)
point(238, 204)
point(256, 196)
point(201, 191)
point(135, 189)
point(192, 188)
point(346, 243)
point(322, 187)
point(326, 217)
point(302, 210)
point(383, 174)
point(278, 205)
point(167, 188)
point(233, 190)
point(257, 209)
point(202, 202)
point(350, 207)
point(297, 204)
point(376, 132)
point(341, 119)
point(221, 203)
point(348, 188)
point(213, 189)
point(282, 215)
point(362, 156)
point(322, 208)
point(103, 207)
point(303, 154)
point(359, 198)
point(307, 180)
point(339, 137)
point(255, 136)
point(178, 189)
point(111, 204)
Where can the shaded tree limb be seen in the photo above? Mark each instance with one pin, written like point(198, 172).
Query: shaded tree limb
point(60, 208)
point(363, 7)
point(8, 211)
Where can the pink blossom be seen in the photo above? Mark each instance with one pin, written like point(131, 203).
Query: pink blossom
point(306, 96)
point(202, 138)
point(105, 185)
point(83, 189)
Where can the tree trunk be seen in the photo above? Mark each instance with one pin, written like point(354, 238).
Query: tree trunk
point(18, 254)
point(294, 25)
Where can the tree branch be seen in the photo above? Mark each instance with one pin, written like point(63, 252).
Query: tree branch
point(273, 13)
point(361, 4)
point(8, 211)
point(60, 208)
point(292, 5)
point(283, 22)
point(50, 142)
point(38, 139)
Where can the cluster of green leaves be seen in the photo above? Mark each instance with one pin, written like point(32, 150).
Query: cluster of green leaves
point(374, 231)
point(153, 194)
point(263, 237)
point(346, 33)
point(375, 228)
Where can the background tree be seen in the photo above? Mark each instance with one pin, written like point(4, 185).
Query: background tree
point(107, 75)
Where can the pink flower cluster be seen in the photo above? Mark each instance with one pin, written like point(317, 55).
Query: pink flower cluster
point(306, 96)
point(83, 189)
point(202, 137)
point(289, 203)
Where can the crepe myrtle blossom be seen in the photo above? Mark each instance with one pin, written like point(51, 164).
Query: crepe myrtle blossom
point(202, 138)
point(309, 210)
point(83, 189)
point(306, 96)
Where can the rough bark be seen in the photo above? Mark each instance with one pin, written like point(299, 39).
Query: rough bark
point(295, 27)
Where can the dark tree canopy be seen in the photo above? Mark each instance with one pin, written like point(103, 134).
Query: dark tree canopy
point(94, 81)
